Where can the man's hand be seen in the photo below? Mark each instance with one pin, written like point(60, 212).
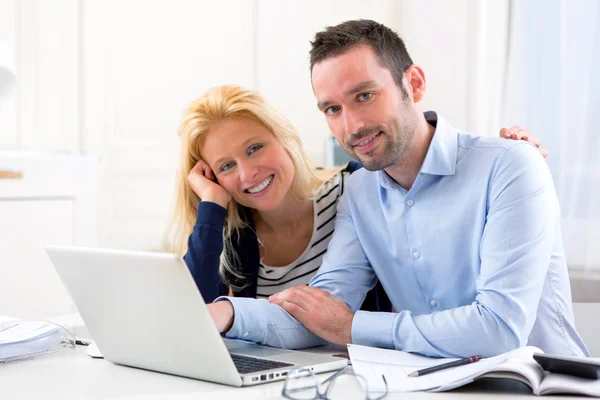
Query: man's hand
point(319, 312)
point(222, 314)
point(518, 133)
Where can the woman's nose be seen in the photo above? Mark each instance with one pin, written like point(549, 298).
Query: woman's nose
point(248, 172)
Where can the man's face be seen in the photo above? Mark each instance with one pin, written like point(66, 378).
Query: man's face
point(366, 111)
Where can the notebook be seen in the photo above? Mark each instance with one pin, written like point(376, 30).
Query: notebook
point(518, 364)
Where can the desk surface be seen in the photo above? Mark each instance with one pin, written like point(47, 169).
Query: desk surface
point(74, 375)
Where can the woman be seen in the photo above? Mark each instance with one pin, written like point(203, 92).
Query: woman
point(255, 214)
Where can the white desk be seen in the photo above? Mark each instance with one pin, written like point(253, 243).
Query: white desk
point(71, 374)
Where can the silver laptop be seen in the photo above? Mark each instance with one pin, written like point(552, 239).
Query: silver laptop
point(144, 310)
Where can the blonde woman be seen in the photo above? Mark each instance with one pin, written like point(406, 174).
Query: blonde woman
point(253, 216)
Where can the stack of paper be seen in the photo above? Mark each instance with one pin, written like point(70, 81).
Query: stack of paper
point(21, 339)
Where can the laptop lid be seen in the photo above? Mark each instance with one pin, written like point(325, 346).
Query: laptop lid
point(142, 311)
point(145, 310)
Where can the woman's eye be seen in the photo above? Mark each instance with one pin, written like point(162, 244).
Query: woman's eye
point(254, 148)
point(226, 166)
point(332, 110)
point(365, 96)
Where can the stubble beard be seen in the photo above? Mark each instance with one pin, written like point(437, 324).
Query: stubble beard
point(394, 150)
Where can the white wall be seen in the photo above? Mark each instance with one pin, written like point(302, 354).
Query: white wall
point(141, 71)
point(460, 45)
point(8, 111)
point(284, 33)
point(112, 78)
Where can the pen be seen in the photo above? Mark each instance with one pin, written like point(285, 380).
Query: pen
point(441, 367)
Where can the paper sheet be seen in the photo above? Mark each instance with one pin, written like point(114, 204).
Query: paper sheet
point(373, 363)
point(22, 338)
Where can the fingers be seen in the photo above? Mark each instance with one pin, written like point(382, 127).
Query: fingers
point(300, 290)
point(294, 301)
point(514, 133)
point(313, 291)
point(534, 140)
point(203, 169)
point(297, 295)
point(208, 172)
point(528, 137)
point(308, 298)
point(198, 176)
point(519, 133)
point(295, 310)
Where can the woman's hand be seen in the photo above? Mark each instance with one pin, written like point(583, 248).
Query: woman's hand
point(518, 133)
point(222, 314)
point(203, 183)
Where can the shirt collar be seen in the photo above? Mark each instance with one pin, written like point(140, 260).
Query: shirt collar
point(442, 153)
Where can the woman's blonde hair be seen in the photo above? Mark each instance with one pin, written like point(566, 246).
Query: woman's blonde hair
point(216, 105)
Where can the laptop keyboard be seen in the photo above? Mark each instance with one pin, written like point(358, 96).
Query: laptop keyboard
point(246, 364)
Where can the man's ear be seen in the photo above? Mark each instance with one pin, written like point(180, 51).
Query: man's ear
point(416, 78)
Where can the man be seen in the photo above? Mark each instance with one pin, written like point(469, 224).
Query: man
point(462, 231)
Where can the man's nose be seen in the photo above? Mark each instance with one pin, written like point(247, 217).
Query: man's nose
point(352, 122)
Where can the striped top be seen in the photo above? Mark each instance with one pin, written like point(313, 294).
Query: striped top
point(275, 279)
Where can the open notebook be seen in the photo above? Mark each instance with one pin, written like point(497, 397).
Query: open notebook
point(518, 364)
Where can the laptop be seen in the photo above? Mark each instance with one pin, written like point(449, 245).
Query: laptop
point(144, 310)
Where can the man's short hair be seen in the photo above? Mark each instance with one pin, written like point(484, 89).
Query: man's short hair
point(388, 46)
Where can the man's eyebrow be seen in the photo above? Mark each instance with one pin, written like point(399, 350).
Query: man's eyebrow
point(356, 89)
point(362, 86)
point(323, 104)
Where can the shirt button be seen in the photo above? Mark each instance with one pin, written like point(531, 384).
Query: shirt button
point(433, 303)
point(416, 254)
point(245, 334)
point(410, 202)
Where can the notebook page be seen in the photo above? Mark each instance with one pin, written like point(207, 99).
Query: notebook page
point(372, 363)
point(523, 366)
point(14, 332)
point(395, 365)
point(559, 383)
point(23, 338)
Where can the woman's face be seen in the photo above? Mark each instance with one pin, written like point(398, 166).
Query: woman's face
point(249, 162)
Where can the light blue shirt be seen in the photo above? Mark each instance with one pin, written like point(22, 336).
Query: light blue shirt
point(471, 257)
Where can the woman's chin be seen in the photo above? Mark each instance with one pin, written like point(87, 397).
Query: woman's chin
point(259, 204)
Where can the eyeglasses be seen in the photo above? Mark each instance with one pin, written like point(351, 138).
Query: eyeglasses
point(303, 384)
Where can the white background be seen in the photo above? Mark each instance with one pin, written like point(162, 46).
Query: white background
point(112, 78)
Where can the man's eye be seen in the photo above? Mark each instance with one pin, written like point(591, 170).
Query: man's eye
point(254, 148)
point(332, 110)
point(226, 166)
point(365, 96)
